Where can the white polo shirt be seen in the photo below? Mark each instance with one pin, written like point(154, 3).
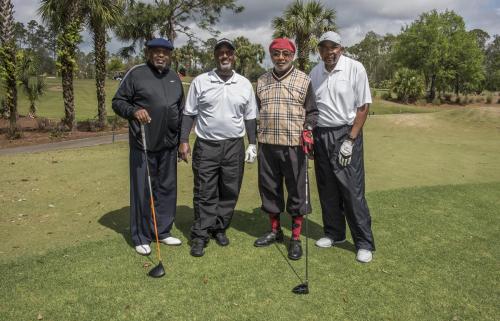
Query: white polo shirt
point(221, 107)
point(340, 92)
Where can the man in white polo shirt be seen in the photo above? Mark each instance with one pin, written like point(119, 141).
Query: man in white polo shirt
point(343, 98)
point(222, 105)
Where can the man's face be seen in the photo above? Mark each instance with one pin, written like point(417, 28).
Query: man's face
point(224, 58)
point(159, 57)
point(330, 53)
point(282, 59)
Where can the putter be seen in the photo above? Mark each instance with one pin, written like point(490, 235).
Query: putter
point(158, 271)
point(303, 288)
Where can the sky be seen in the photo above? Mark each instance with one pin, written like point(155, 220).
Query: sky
point(354, 18)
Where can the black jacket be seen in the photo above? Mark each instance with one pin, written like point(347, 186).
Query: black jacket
point(162, 96)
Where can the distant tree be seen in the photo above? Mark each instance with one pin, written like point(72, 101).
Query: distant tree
point(247, 55)
point(32, 82)
point(481, 37)
point(493, 64)
point(435, 44)
point(8, 61)
point(20, 34)
point(64, 17)
point(169, 18)
point(304, 22)
point(99, 17)
point(374, 52)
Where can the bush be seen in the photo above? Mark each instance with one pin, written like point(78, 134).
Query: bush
point(436, 101)
point(479, 99)
point(489, 99)
point(374, 93)
point(447, 98)
point(43, 123)
point(386, 96)
point(408, 85)
point(498, 101)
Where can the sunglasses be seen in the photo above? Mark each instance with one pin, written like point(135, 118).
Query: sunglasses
point(284, 53)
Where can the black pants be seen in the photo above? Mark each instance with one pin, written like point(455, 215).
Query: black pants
point(163, 171)
point(342, 189)
point(218, 172)
point(278, 163)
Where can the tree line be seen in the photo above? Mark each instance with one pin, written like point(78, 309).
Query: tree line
point(434, 54)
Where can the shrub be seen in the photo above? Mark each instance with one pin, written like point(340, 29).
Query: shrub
point(408, 85)
point(374, 93)
point(498, 101)
point(447, 98)
point(489, 99)
point(43, 123)
point(479, 99)
point(436, 101)
point(386, 96)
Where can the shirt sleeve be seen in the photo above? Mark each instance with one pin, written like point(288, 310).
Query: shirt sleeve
point(191, 105)
point(251, 108)
point(122, 101)
point(311, 108)
point(362, 94)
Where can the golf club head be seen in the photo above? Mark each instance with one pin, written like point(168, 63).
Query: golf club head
point(302, 288)
point(157, 272)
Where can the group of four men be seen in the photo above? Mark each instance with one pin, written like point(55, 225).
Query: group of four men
point(301, 116)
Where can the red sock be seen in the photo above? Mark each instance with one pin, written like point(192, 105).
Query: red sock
point(275, 222)
point(297, 226)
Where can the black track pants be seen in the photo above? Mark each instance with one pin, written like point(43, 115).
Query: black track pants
point(163, 170)
point(218, 172)
point(342, 189)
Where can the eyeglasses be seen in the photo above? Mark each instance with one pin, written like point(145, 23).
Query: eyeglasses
point(285, 54)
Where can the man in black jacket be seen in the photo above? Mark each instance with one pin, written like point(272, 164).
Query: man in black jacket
point(152, 94)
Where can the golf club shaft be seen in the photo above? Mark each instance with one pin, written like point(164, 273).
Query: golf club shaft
point(151, 200)
point(307, 207)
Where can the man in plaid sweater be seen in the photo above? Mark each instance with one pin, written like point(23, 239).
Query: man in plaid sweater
point(288, 114)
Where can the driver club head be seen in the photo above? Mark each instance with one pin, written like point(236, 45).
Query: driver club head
point(302, 288)
point(157, 272)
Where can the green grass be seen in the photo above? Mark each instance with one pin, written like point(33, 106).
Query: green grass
point(432, 186)
point(51, 103)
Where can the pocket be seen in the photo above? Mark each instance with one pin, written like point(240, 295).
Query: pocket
point(173, 118)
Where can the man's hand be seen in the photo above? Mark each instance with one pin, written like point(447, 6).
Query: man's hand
point(345, 153)
point(142, 116)
point(251, 153)
point(307, 142)
point(184, 152)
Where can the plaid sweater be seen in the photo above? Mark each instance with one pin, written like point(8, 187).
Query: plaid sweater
point(282, 107)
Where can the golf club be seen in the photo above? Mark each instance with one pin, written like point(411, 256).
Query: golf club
point(303, 287)
point(158, 271)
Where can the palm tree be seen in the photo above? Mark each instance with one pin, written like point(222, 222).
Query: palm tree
point(64, 17)
point(100, 16)
point(247, 54)
point(305, 22)
point(8, 60)
point(33, 84)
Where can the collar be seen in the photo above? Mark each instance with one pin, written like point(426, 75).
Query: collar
point(338, 67)
point(286, 74)
point(212, 75)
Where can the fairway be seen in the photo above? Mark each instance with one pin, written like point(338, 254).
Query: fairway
point(433, 187)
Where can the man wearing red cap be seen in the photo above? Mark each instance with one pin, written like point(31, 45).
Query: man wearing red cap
point(288, 114)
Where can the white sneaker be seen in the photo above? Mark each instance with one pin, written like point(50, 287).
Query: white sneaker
point(326, 242)
point(143, 249)
point(364, 256)
point(171, 241)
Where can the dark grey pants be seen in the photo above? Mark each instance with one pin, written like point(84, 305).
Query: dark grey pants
point(163, 170)
point(342, 189)
point(283, 163)
point(218, 172)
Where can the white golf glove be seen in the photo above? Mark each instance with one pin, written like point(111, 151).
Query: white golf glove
point(251, 153)
point(345, 153)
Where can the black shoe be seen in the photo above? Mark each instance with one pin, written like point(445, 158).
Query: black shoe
point(198, 247)
point(221, 238)
point(294, 250)
point(269, 238)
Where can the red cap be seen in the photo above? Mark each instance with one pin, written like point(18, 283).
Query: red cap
point(282, 43)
